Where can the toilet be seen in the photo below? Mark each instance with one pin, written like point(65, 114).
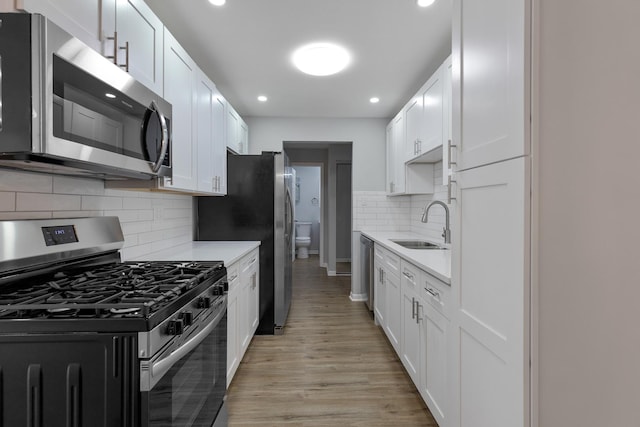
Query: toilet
point(303, 239)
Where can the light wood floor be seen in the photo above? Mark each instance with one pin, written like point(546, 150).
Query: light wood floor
point(332, 366)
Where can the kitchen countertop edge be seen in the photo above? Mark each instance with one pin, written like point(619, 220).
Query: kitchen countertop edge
point(227, 251)
point(435, 262)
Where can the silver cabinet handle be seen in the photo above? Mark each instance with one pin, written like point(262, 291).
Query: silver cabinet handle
point(126, 57)
point(114, 57)
point(419, 150)
point(418, 318)
point(407, 275)
point(413, 307)
point(450, 152)
point(433, 293)
point(449, 198)
point(232, 278)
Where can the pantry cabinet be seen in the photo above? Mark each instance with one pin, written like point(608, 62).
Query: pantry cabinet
point(491, 261)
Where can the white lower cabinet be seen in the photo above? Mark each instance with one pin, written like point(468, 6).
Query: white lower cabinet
point(242, 308)
point(414, 314)
point(388, 294)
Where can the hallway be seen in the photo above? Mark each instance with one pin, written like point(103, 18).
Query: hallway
point(332, 366)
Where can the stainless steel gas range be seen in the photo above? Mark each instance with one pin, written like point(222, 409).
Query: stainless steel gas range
point(88, 340)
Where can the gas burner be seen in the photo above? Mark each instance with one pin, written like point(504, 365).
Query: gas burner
point(60, 310)
point(126, 310)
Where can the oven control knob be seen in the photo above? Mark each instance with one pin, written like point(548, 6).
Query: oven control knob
point(175, 327)
point(186, 317)
point(225, 286)
point(204, 302)
point(218, 290)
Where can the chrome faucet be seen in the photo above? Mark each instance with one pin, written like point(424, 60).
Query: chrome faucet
point(425, 218)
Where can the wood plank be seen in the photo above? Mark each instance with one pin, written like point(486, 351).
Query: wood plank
point(332, 366)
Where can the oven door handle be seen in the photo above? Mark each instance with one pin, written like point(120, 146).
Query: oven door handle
point(162, 366)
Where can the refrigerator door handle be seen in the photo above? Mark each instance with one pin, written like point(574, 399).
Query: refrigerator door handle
point(289, 225)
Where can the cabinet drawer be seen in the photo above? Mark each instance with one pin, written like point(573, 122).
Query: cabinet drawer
point(233, 276)
point(391, 262)
point(410, 276)
point(249, 262)
point(436, 293)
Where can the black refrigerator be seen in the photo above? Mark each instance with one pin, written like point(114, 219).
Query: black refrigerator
point(258, 206)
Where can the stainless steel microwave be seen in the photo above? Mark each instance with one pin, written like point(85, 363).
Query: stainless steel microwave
point(64, 108)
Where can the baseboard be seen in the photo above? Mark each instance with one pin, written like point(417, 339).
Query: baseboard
point(331, 273)
point(343, 259)
point(314, 252)
point(358, 297)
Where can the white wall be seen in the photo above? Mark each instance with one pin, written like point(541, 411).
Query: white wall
point(587, 194)
point(367, 135)
point(150, 221)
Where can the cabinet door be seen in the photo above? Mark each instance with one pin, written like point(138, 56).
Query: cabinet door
point(446, 119)
point(219, 148)
point(413, 127)
point(233, 129)
point(433, 352)
point(204, 144)
point(490, 85)
point(490, 292)
point(244, 308)
point(143, 30)
point(398, 154)
point(380, 294)
point(233, 357)
point(244, 137)
point(254, 301)
point(410, 354)
point(431, 136)
point(393, 326)
point(81, 18)
point(391, 167)
point(180, 90)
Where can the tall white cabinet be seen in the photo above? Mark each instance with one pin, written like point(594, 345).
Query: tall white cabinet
point(491, 258)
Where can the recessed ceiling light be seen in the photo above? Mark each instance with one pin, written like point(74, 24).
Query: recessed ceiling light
point(374, 100)
point(321, 59)
point(262, 98)
point(217, 2)
point(425, 3)
point(109, 95)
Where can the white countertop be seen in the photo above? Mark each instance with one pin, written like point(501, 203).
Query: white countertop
point(434, 261)
point(228, 252)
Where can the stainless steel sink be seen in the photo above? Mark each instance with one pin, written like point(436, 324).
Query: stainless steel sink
point(416, 244)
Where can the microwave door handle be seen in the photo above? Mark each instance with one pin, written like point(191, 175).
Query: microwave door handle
point(165, 136)
point(162, 366)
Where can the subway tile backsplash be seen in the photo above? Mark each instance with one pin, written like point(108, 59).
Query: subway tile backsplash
point(150, 221)
point(375, 211)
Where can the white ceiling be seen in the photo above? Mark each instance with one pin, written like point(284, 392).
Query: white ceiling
point(245, 48)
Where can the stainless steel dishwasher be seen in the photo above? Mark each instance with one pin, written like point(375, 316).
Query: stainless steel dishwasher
point(366, 268)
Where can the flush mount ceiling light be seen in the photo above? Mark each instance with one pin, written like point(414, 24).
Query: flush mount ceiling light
point(321, 59)
point(109, 95)
point(262, 98)
point(217, 2)
point(425, 3)
point(374, 100)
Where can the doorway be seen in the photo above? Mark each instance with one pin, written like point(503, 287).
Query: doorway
point(308, 205)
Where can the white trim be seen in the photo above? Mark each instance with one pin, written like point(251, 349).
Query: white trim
point(314, 252)
point(343, 259)
point(358, 297)
point(331, 273)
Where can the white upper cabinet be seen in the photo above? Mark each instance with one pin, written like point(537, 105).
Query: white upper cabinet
point(210, 138)
point(81, 18)
point(447, 120)
point(490, 87)
point(181, 77)
point(237, 132)
point(139, 40)
point(125, 31)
